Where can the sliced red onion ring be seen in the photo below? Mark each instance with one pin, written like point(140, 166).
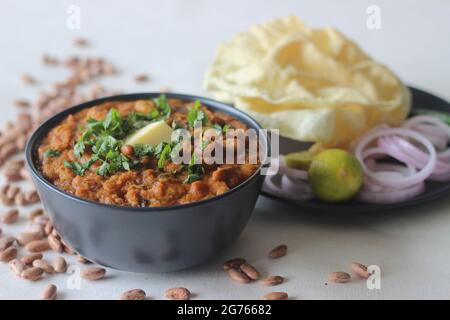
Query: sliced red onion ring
point(393, 150)
point(272, 185)
point(411, 122)
point(298, 187)
point(287, 190)
point(388, 196)
point(390, 170)
point(418, 156)
point(414, 121)
point(437, 136)
point(430, 129)
point(442, 177)
point(406, 181)
point(290, 172)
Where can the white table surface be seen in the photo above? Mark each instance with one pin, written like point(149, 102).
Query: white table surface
point(174, 41)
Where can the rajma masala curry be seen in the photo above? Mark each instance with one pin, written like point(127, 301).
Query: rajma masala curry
point(119, 153)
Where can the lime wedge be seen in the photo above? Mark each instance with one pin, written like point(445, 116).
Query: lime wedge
point(299, 160)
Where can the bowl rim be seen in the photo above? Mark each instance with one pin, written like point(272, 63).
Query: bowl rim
point(51, 122)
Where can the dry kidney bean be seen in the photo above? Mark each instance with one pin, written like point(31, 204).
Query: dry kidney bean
point(34, 213)
point(278, 251)
point(6, 201)
point(41, 219)
point(25, 173)
point(22, 103)
point(12, 191)
point(178, 294)
point(141, 78)
point(33, 273)
point(339, 277)
point(276, 296)
point(6, 242)
point(250, 271)
point(44, 265)
point(82, 259)
point(10, 216)
point(134, 294)
point(360, 270)
point(238, 276)
point(93, 274)
point(60, 264)
point(48, 228)
point(80, 42)
point(38, 246)
point(54, 243)
point(49, 60)
point(16, 266)
point(28, 79)
point(49, 292)
point(8, 254)
point(35, 227)
point(272, 281)
point(26, 237)
point(28, 259)
point(19, 199)
point(31, 197)
point(234, 263)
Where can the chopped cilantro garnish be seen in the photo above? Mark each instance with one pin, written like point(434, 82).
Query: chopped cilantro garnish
point(51, 153)
point(204, 144)
point(163, 154)
point(104, 138)
point(176, 125)
point(195, 171)
point(163, 106)
point(219, 128)
point(196, 115)
point(143, 150)
point(80, 168)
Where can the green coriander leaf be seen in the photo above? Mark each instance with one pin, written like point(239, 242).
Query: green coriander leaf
point(94, 125)
point(142, 150)
point(204, 144)
point(164, 156)
point(112, 119)
point(163, 106)
point(75, 166)
point(103, 169)
point(79, 148)
point(125, 164)
point(195, 171)
point(51, 153)
point(225, 128)
point(176, 125)
point(159, 148)
point(195, 115)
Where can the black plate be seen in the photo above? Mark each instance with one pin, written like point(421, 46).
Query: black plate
point(434, 190)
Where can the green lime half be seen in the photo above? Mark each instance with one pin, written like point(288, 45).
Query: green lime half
point(335, 175)
point(299, 160)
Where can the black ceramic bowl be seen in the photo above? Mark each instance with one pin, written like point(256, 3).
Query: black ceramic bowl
point(152, 239)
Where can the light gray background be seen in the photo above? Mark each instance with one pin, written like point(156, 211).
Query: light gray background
point(174, 41)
